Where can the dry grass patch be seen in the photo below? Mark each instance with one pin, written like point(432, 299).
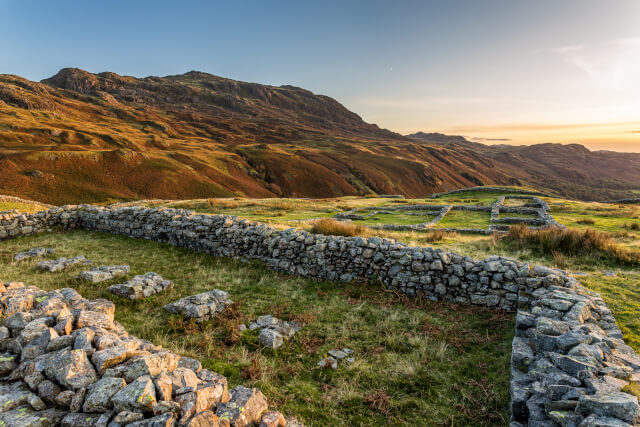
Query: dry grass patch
point(332, 227)
point(585, 243)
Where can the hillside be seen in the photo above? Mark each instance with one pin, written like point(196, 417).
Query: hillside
point(82, 137)
point(569, 170)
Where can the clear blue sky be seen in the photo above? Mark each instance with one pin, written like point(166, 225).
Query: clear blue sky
point(515, 69)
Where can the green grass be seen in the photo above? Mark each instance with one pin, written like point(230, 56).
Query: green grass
point(417, 362)
point(465, 219)
point(396, 217)
point(622, 295)
point(22, 207)
point(517, 215)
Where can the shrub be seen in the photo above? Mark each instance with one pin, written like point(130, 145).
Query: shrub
point(332, 227)
point(633, 226)
point(570, 242)
point(586, 221)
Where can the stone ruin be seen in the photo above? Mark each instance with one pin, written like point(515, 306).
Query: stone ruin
point(33, 253)
point(141, 286)
point(65, 361)
point(104, 273)
point(202, 306)
point(273, 331)
point(569, 364)
point(537, 208)
point(61, 264)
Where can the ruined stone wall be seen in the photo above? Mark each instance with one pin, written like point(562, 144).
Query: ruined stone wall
point(65, 361)
point(492, 190)
point(568, 362)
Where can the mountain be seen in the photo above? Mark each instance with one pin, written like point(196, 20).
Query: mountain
point(83, 137)
point(570, 170)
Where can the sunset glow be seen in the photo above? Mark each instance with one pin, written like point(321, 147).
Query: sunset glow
point(517, 72)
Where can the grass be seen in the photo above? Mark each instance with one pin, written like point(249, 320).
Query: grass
point(22, 207)
point(517, 215)
point(587, 243)
point(416, 362)
point(332, 227)
point(465, 219)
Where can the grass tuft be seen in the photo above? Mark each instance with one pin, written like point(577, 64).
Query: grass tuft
point(586, 221)
point(332, 227)
point(587, 243)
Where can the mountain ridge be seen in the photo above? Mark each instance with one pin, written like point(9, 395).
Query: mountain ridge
point(82, 137)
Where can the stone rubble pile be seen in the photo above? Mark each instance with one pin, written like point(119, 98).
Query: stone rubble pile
point(202, 306)
point(141, 286)
point(273, 331)
point(65, 361)
point(61, 264)
point(33, 253)
point(104, 273)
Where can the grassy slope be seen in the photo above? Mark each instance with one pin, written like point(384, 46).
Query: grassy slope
point(619, 292)
point(22, 207)
point(417, 363)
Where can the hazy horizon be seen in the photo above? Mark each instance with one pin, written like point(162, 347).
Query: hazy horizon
point(495, 71)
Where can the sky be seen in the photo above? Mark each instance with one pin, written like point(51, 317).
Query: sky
point(495, 71)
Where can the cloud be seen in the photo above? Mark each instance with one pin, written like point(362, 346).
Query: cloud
point(492, 139)
point(426, 102)
point(633, 131)
point(612, 64)
point(566, 49)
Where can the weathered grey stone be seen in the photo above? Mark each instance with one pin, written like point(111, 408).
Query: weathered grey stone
point(245, 407)
point(138, 395)
point(63, 263)
point(151, 365)
point(141, 286)
point(99, 395)
point(201, 306)
point(70, 368)
point(616, 404)
point(25, 416)
point(78, 419)
point(104, 273)
point(32, 253)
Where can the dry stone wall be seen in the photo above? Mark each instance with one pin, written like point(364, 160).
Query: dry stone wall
point(492, 190)
point(570, 366)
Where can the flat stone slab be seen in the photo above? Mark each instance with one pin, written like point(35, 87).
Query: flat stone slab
point(104, 273)
point(32, 253)
point(61, 264)
point(141, 286)
point(201, 306)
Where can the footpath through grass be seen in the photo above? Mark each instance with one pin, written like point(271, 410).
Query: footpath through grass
point(416, 362)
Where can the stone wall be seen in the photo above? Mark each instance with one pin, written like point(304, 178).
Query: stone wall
point(568, 361)
point(492, 190)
